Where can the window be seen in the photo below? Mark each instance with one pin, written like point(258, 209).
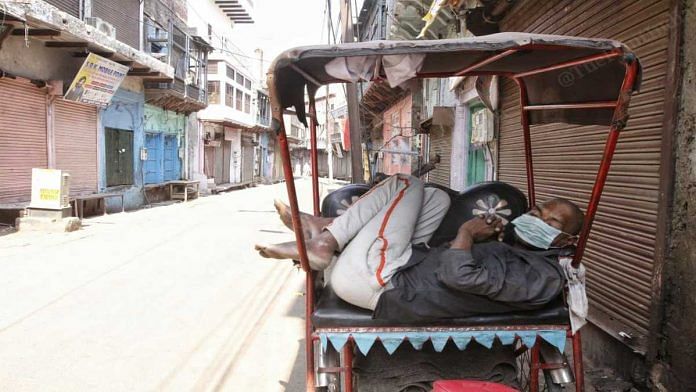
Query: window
point(118, 151)
point(156, 39)
point(213, 67)
point(247, 84)
point(230, 72)
point(240, 79)
point(213, 91)
point(229, 94)
point(247, 103)
point(240, 99)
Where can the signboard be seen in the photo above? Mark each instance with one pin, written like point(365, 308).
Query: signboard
point(97, 81)
point(49, 189)
point(481, 126)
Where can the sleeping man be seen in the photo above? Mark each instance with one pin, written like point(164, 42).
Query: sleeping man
point(376, 255)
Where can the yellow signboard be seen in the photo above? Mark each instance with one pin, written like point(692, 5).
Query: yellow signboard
point(97, 81)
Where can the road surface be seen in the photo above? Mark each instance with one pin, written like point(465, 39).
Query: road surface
point(170, 298)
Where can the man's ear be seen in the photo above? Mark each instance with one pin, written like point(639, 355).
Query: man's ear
point(564, 240)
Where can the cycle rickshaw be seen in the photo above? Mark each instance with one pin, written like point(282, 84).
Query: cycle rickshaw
point(539, 65)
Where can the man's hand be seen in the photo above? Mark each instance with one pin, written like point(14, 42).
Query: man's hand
point(478, 229)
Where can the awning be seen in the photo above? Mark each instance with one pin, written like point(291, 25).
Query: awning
point(557, 70)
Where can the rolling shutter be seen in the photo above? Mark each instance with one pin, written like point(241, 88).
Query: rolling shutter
point(71, 7)
point(124, 15)
point(75, 127)
point(22, 138)
point(620, 252)
point(247, 159)
point(441, 143)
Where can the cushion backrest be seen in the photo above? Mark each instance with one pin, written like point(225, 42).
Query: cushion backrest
point(336, 202)
point(490, 197)
point(499, 198)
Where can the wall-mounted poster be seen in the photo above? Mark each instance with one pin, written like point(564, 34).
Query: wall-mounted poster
point(97, 81)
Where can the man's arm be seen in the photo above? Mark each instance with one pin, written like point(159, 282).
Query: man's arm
point(458, 269)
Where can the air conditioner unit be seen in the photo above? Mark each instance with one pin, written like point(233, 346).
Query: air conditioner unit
point(101, 26)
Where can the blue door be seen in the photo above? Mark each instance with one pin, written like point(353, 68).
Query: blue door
point(152, 167)
point(172, 163)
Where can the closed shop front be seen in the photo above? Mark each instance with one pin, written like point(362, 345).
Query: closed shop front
point(247, 158)
point(163, 162)
point(118, 151)
point(22, 137)
point(75, 127)
point(621, 250)
point(440, 144)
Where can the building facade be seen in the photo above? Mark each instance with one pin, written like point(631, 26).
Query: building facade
point(140, 137)
point(640, 266)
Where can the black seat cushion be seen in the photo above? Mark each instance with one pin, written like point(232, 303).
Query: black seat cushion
point(490, 197)
point(333, 312)
point(496, 197)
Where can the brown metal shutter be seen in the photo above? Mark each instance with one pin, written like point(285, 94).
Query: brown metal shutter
point(72, 7)
point(247, 159)
point(22, 137)
point(441, 143)
point(620, 253)
point(124, 15)
point(75, 127)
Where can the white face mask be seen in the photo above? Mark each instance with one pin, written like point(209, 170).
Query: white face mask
point(535, 231)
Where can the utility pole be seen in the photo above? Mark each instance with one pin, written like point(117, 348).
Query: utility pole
point(356, 157)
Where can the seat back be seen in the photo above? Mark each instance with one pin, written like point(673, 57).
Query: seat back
point(490, 197)
point(336, 202)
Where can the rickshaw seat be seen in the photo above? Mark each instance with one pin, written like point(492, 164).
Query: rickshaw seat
point(332, 312)
point(503, 199)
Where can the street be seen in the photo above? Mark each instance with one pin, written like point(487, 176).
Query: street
point(167, 298)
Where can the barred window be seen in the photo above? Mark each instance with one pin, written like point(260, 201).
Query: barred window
point(229, 95)
point(213, 91)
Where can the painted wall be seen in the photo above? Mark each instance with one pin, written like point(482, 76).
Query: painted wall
point(677, 356)
point(157, 119)
point(397, 163)
point(125, 111)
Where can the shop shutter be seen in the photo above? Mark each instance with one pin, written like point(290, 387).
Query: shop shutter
point(247, 159)
point(71, 7)
point(22, 137)
point(75, 127)
point(124, 15)
point(441, 143)
point(620, 253)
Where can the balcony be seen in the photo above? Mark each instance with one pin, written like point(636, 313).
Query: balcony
point(187, 53)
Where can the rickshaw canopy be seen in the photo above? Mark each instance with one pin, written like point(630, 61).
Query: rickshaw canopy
point(558, 71)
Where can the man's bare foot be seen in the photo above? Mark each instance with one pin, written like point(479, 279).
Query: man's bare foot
point(312, 225)
point(320, 250)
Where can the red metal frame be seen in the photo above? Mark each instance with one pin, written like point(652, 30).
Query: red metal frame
point(524, 117)
point(313, 152)
point(620, 107)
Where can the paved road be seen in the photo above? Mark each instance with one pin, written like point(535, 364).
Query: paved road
point(169, 298)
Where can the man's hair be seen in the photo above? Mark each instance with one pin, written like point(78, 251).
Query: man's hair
point(578, 218)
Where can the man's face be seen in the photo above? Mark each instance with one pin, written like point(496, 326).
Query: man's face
point(559, 216)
